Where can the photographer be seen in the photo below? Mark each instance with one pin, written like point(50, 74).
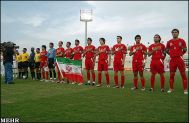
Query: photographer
point(8, 53)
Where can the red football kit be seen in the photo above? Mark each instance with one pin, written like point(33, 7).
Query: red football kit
point(103, 62)
point(59, 50)
point(137, 62)
point(68, 53)
point(89, 60)
point(157, 64)
point(43, 59)
point(89, 56)
point(175, 47)
point(138, 57)
point(103, 58)
point(43, 64)
point(77, 52)
point(119, 50)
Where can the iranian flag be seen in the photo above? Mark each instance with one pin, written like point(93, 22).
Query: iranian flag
point(70, 69)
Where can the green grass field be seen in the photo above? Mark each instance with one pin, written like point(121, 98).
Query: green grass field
point(51, 102)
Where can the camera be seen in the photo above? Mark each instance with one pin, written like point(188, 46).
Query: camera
point(8, 45)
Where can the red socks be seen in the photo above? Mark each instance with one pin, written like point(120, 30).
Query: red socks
point(93, 76)
point(122, 80)
point(99, 78)
point(171, 81)
point(162, 79)
point(152, 81)
point(116, 80)
point(47, 75)
point(43, 74)
point(107, 79)
point(143, 82)
point(135, 82)
point(59, 75)
point(184, 80)
point(88, 75)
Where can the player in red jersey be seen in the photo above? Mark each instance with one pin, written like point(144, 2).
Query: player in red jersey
point(176, 48)
point(68, 54)
point(59, 53)
point(68, 51)
point(139, 52)
point(77, 53)
point(157, 51)
point(43, 64)
point(103, 63)
point(88, 53)
point(119, 50)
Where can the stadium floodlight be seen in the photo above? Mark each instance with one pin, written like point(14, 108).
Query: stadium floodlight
point(86, 16)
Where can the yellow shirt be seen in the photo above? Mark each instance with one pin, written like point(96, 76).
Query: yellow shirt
point(18, 58)
point(37, 57)
point(25, 57)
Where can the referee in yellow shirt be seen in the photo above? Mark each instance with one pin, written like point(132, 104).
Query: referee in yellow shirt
point(19, 61)
point(37, 63)
point(25, 58)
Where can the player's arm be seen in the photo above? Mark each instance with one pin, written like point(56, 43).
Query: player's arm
point(151, 51)
point(184, 48)
point(132, 51)
point(167, 48)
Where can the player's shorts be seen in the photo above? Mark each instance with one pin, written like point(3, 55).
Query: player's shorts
point(137, 65)
point(31, 65)
point(89, 64)
point(43, 64)
point(157, 66)
point(19, 65)
point(25, 64)
point(37, 64)
point(177, 62)
point(51, 63)
point(118, 65)
point(103, 65)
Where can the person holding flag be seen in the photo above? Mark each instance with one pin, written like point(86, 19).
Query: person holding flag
point(157, 51)
point(88, 53)
point(139, 53)
point(119, 51)
point(103, 63)
point(77, 53)
point(59, 53)
point(69, 54)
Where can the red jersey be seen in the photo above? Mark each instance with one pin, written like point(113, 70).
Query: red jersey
point(43, 56)
point(89, 54)
point(175, 47)
point(103, 52)
point(158, 54)
point(120, 50)
point(59, 51)
point(68, 53)
point(139, 54)
point(78, 50)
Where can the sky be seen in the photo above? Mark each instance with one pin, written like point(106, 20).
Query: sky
point(35, 23)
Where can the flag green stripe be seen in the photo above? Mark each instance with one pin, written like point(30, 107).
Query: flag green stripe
point(69, 61)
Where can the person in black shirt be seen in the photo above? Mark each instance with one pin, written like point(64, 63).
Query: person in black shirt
point(8, 62)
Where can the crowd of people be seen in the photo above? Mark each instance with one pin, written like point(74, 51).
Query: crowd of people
point(42, 63)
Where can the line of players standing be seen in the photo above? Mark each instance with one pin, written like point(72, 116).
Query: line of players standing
point(43, 63)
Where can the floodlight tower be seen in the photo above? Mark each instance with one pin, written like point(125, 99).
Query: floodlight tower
point(86, 16)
